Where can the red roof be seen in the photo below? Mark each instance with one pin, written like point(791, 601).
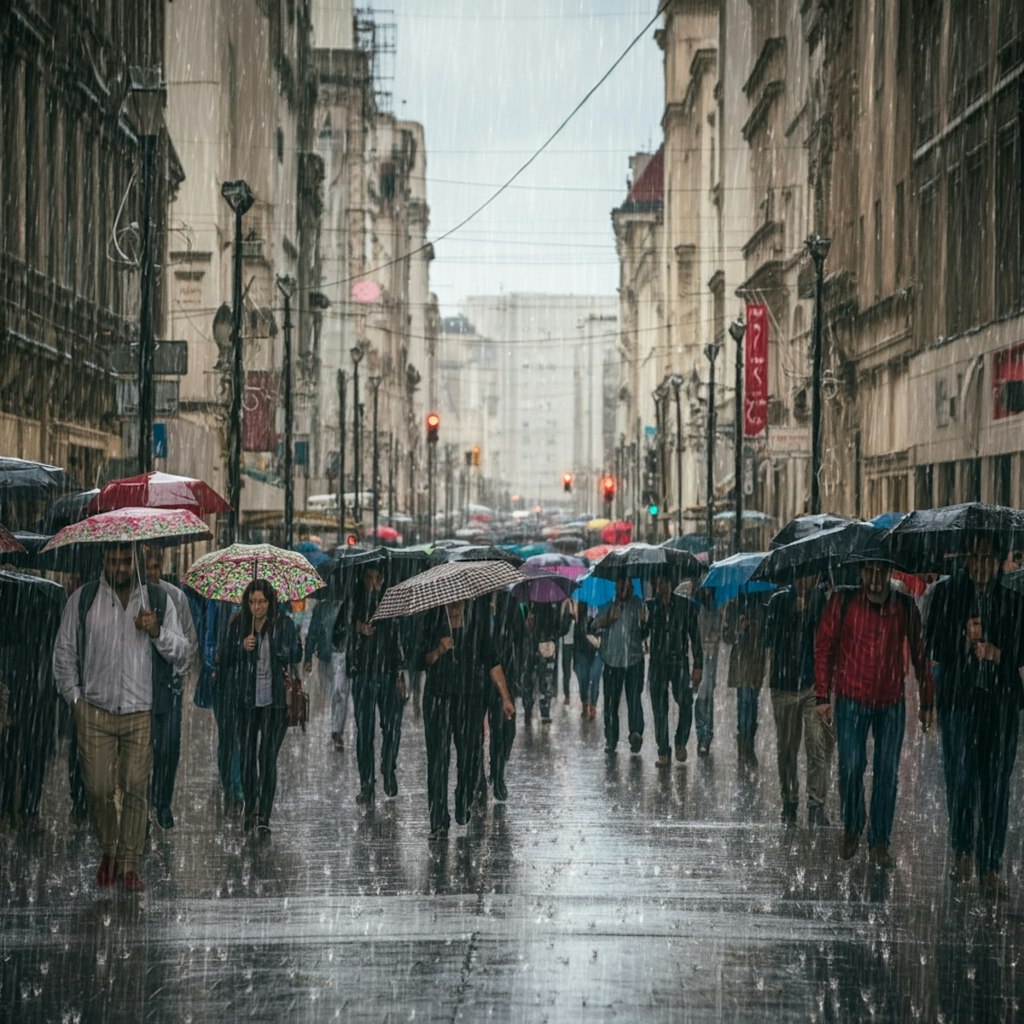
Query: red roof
point(649, 188)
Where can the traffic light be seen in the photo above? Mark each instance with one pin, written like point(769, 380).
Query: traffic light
point(476, 455)
point(608, 488)
point(653, 509)
point(567, 482)
point(433, 423)
point(351, 540)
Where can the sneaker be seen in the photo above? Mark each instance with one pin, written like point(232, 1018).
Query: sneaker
point(438, 833)
point(788, 817)
point(609, 748)
point(680, 752)
point(263, 831)
point(703, 749)
point(816, 816)
point(338, 740)
point(131, 880)
point(848, 844)
point(365, 796)
point(106, 873)
point(545, 717)
point(636, 741)
point(880, 857)
point(663, 761)
point(164, 818)
point(390, 784)
point(566, 701)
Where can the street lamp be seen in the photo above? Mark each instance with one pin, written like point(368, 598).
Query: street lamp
point(818, 248)
point(375, 384)
point(677, 382)
point(286, 286)
point(240, 198)
point(147, 99)
point(736, 331)
point(711, 351)
point(341, 454)
point(356, 352)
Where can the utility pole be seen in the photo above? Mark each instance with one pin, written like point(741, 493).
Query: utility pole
point(711, 351)
point(341, 455)
point(286, 286)
point(818, 247)
point(375, 384)
point(737, 329)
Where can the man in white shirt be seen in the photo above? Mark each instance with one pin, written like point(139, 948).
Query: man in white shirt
point(116, 643)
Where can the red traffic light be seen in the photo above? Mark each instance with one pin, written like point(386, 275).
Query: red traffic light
point(608, 487)
point(433, 423)
point(567, 481)
point(351, 540)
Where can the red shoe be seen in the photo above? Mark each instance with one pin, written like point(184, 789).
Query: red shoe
point(132, 881)
point(106, 873)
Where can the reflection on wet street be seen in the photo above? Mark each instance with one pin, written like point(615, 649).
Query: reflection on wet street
point(604, 889)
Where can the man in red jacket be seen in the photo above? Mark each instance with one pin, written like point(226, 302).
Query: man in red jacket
point(860, 655)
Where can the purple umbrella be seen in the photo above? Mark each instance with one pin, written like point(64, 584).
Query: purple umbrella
point(571, 566)
point(543, 586)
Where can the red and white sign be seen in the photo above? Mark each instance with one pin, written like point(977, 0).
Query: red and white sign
point(755, 365)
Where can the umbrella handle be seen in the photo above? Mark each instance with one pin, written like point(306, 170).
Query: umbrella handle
point(137, 550)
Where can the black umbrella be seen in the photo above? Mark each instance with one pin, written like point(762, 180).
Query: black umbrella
point(20, 479)
point(343, 571)
point(82, 560)
point(646, 561)
point(71, 508)
point(929, 539)
point(805, 526)
point(476, 553)
point(27, 605)
point(823, 551)
point(695, 543)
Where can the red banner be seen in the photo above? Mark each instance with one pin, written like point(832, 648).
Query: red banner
point(259, 411)
point(755, 365)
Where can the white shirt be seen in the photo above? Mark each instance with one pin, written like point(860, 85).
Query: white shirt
point(188, 629)
point(117, 674)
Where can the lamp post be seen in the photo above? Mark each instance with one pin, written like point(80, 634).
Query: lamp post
point(147, 98)
point(286, 286)
point(737, 329)
point(240, 198)
point(677, 382)
point(341, 454)
point(711, 351)
point(375, 384)
point(356, 352)
point(818, 248)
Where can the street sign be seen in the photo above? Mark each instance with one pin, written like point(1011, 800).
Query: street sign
point(789, 440)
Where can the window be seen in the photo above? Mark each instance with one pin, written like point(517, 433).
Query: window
point(1009, 265)
point(1008, 382)
point(927, 262)
point(927, 39)
point(898, 232)
point(1011, 36)
point(878, 250)
point(879, 45)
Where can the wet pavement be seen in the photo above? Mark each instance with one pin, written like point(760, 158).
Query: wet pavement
point(604, 889)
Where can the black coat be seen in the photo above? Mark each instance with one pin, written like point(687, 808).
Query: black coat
point(239, 665)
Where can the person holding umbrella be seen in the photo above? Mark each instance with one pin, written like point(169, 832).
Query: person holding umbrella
point(460, 659)
point(262, 647)
point(859, 659)
point(113, 660)
point(974, 634)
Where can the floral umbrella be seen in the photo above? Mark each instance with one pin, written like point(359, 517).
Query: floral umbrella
point(131, 525)
point(8, 542)
point(223, 575)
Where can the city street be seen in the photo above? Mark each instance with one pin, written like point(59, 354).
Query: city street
point(604, 889)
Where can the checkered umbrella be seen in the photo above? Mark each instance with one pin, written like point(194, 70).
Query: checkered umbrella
point(444, 584)
point(223, 575)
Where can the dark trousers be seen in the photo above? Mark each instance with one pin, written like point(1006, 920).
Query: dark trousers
point(439, 712)
point(615, 680)
point(166, 733)
point(979, 748)
point(76, 784)
point(540, 680)
point(567, 650)
point(371, 699)
point(226, 715)
point(468, 731)
point(261, 733)
point(661, 677)
point(23, 756)
point(502, 733)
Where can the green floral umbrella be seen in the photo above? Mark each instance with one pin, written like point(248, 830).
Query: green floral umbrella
point(223, 575)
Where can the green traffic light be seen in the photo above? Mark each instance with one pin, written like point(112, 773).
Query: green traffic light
point(652, 510)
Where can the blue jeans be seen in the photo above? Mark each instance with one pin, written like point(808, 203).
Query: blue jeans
point(853, 722)
point(978, 753)
point(746, 712)
point(589, 665)
point(704, 706)
point(632, 678)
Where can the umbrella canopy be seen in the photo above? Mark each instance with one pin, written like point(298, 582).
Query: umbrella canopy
point(79, 559)
point(804, 526)
point(385, 534)
point(695, 543)
point(823, 551)
point(597, 552)
point(543, 586)
point(313, 553)
point(594, 591)
point(732, 576)
point(887, 520)
point(71, 508)
point(927, 540)
point(555, 561)
point(445, 583)
point(750, 515)
point(396, 564)
point(130, 525)
point(159, 490)
point(619, 532)
point(479, 553)
point(9, 543)
point(646, 561)
point(26, 603)
point(20, 478)
point(223, 575)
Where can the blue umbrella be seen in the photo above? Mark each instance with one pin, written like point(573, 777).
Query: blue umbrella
point(314, 554)
point(731, 576)
point(595, 592)
point(887, 520)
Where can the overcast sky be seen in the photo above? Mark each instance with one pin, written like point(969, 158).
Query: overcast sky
point(490, 80)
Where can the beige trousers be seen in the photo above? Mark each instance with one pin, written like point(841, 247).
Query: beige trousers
point(796, 718)
point(116, 757)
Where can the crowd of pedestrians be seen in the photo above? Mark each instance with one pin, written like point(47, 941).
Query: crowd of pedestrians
point(130, 647)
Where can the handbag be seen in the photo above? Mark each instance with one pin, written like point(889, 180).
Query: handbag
point(298, 702)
